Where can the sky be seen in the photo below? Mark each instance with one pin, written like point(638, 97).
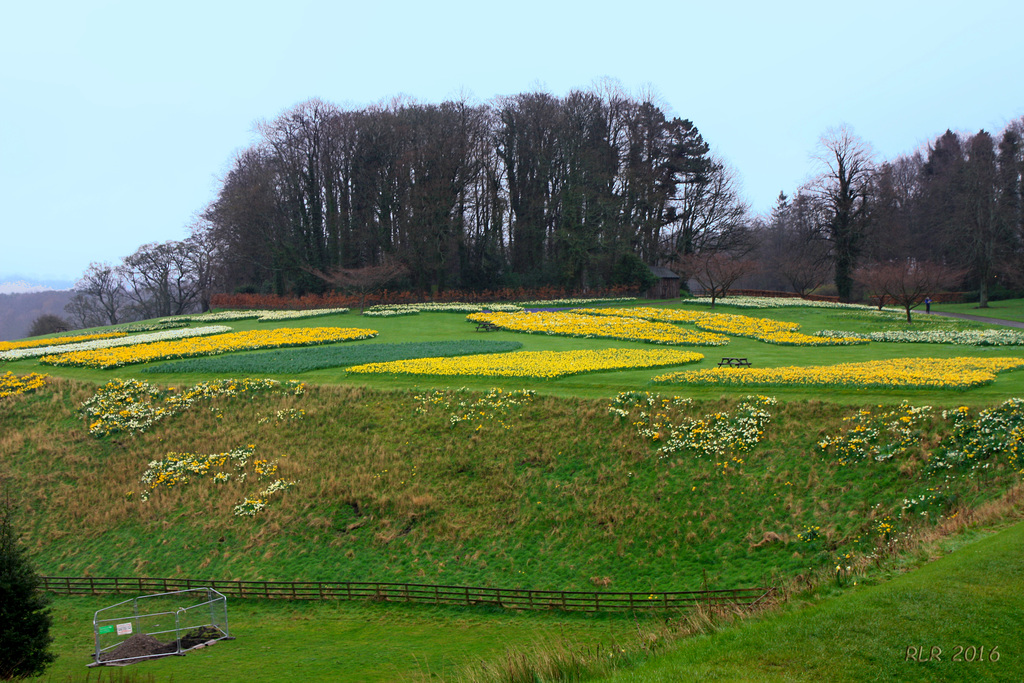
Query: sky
point(119, 119)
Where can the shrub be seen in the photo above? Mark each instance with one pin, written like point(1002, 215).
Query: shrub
point(24, 614)
point(48, 324)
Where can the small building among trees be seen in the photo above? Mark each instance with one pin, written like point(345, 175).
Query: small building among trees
point(667, 286)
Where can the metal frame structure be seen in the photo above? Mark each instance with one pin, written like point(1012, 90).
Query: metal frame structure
point(112, 626)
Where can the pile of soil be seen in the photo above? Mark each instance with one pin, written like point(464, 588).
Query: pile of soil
point(199, 636)
point(139, 646)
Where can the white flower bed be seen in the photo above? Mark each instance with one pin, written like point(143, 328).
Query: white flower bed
point(780, 302)
point(995, 337)
point(165, 335)
point(261, 315)
point(386, 310)
point(270, 316)
point(967, 337)
point(223, 315)
point(840, 333)
point(572, 302)
point(391, 312)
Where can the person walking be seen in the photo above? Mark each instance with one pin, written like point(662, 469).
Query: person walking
point(927, 304)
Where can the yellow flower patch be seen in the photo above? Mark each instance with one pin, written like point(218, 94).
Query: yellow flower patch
point(661, 315)
point(767, 330)
point(610, 327)
point(11, 384)
point(918, 373)
point(55, 341)
point(534, 364)
point(206, 346)
point(762, 329)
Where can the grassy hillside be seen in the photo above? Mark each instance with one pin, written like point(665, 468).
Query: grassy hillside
point(568, 485)
point(533, 492)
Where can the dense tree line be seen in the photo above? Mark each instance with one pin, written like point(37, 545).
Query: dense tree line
point(527, 190)
point(576, 192)
point(957, 205)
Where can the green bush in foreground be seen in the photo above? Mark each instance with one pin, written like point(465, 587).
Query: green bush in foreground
point(24, 615)
point(292, 361)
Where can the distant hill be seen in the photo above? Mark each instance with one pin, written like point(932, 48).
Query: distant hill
point(17, 311)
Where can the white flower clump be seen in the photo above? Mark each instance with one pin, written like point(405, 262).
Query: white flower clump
point(165, 335)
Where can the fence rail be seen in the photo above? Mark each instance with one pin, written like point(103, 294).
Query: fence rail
point(418, 592)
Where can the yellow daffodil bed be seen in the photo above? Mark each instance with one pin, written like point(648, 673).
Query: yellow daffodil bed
point(762, 329)
point(932, 373)
point(205, 346)
point(611, 327)
point(55, 341)
point(661, 315)
point(536, 364)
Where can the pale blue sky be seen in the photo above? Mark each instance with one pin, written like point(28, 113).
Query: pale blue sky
point(118, 118)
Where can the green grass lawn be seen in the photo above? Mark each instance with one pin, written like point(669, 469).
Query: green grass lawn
point(1009, 309)
point(301, 360)
point(927, 625)
point(333, 641)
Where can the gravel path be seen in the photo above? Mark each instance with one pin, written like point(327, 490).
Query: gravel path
point(981, 319)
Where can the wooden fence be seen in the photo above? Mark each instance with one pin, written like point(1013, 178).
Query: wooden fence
point(415, 592)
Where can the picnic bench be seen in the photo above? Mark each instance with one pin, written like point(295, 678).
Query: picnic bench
point(485, 326)
point(735, 363)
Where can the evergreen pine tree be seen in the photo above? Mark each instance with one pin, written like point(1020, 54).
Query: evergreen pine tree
point(24, 615)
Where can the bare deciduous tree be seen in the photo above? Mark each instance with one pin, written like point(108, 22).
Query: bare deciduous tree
point(159, 279)
point(716, 271)
point(799, 248)
point(845, 188)
point(103, 294)
point(203, 259)
point(907, 282)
